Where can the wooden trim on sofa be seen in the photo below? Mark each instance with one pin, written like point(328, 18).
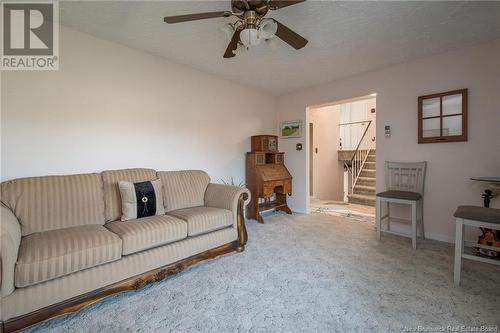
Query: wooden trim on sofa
point(134, 283)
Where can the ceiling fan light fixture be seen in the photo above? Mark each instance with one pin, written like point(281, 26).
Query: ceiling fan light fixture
point(272, 43)
point(250, 37)
point(241, 49)
point(251, 27)
point(228, 31)
point(267, 28)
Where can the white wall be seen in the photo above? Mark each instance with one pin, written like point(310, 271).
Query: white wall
point(356, 111)
point(110, 107)
point(450, 165)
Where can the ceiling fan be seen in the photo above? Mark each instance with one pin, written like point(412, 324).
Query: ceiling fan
point(251, 27)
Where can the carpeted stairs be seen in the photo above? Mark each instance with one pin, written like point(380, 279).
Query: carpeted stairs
point(364, 190)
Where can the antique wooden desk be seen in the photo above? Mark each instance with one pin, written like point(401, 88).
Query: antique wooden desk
point(267, 178)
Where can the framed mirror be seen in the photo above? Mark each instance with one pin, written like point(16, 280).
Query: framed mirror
point(443, 117)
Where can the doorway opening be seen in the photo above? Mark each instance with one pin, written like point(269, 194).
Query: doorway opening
point(342, 157)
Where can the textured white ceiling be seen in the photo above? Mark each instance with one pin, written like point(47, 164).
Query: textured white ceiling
point(345, 38)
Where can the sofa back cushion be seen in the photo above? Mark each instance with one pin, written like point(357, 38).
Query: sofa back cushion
point(55, 202)
point(112, 198)
point(183, 189)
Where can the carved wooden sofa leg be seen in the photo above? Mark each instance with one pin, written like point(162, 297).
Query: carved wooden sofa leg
point(242, 230)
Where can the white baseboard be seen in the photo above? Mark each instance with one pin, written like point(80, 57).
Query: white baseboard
point(441, 238)
point(301, 211)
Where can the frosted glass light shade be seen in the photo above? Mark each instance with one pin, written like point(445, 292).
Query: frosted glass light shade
point(272, 43)
point(250, 37)
point(267, 28)
point(228, 31)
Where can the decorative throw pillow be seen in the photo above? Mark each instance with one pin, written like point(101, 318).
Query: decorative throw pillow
point(141, 199)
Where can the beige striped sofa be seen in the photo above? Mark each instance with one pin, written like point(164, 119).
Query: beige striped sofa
point(63, 245)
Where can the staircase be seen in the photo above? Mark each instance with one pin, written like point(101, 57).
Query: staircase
point(364, 190)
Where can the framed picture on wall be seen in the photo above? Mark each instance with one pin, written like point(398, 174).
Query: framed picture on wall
point(442, 117)
point(291, 129)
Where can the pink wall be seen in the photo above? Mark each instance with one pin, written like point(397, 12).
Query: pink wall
point(450, 165)
point(328, 171)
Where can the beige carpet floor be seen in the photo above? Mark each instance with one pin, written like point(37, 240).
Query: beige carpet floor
point(307, 273)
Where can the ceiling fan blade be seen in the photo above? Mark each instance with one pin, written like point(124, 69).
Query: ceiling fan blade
point(233, 44)
point(277, 4)
point(194, 17)
point(290, 37)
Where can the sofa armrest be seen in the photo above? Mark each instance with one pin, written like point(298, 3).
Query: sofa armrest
point(10, 239)
point(233, 198)
point(225, 196)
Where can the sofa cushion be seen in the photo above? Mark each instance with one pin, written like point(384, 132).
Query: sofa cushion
point(201, 220)
point(111, 178)
point(148, 232)
point(55, 202)
point(50, 254)
point(183, 189)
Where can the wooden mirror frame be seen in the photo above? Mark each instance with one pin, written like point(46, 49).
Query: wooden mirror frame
point(441, 137)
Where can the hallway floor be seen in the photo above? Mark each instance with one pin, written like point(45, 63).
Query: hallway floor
point(343, 209)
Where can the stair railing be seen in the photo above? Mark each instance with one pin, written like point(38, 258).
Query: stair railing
point(359, 156)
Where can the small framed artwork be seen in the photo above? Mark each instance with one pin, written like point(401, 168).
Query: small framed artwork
point(291, 129)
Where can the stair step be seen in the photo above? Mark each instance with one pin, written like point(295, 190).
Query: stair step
point(367, 173)
point(371, 165)
point(361, 199)
point(371, 158)
point(364, 189)
point(367, 181)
